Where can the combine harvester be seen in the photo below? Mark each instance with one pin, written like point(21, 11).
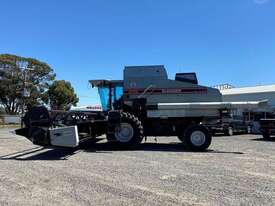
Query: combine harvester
point(145, 103)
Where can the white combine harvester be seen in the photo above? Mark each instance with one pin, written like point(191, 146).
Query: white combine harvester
point(144, 103)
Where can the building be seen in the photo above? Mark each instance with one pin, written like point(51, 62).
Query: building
point(257, 93)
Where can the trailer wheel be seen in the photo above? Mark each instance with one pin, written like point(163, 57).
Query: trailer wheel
point(128, 133)
point(196, 138)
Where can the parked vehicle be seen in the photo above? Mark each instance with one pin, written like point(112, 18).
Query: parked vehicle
point(267, 128)
point(228, 125)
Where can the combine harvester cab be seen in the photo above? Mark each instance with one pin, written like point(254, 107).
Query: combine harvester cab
point(145, 103)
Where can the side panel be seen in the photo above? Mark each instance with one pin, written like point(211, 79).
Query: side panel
point(166, 91)
point(64, 136)
point(152, 83)
point(183, 113)
point(168, 126)
point(197, 109)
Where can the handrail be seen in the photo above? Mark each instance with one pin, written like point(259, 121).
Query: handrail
point(144, 92)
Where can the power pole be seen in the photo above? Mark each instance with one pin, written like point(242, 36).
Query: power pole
point(24, 92)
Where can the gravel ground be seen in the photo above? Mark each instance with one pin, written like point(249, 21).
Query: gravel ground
point(237, 170)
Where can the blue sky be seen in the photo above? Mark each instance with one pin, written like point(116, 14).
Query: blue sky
point(230, 41)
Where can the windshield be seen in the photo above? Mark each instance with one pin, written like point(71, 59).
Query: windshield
point(104, 93)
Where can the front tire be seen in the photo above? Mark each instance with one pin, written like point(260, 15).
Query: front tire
point(196, 138)
point(129, 133)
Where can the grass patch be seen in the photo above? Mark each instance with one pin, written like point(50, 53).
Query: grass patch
point(9, 125)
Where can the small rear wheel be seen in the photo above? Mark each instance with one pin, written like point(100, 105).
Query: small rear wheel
point(196, 138)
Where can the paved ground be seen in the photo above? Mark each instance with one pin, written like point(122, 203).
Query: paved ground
point(238, 170)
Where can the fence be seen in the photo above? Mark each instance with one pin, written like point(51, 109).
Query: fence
point(10, 119)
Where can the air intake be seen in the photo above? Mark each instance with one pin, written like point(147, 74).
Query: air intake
point(187, 77)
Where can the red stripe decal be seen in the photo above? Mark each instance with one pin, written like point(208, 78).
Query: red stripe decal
point(167, 91)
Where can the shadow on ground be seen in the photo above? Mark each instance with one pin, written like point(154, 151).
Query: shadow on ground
point(272, 139)
point(224, 135)
point(41, 153)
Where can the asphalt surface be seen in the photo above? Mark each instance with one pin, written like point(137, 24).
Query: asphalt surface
point(238, 170)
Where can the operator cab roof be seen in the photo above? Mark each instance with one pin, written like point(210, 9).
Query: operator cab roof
point(145, 72)
point(105, 83)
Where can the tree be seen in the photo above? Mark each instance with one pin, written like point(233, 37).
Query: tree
point(21, 74)
point(61, 95)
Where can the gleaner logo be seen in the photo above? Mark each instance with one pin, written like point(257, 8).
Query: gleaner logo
point(93, 107)
point(171, 91)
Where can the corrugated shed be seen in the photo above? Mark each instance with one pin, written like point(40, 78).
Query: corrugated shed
point(249, 90)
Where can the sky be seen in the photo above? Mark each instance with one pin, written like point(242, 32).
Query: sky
point(230, 41)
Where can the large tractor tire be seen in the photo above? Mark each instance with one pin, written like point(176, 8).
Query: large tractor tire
point(129, 133)
point(196, 138)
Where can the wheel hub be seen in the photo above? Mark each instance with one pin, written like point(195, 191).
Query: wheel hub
point(124, 133)
point(198, 138)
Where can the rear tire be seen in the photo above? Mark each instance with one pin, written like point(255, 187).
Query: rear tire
point(196, 138)
point(129, 133)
